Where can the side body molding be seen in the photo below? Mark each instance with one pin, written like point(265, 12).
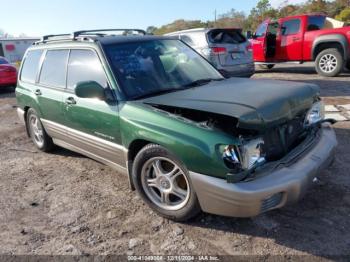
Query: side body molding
point(109, 153)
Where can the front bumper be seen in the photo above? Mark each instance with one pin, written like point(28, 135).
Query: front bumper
point(269, 191)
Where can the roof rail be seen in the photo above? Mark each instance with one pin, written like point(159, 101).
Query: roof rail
point(60, 36)
point(96, 32)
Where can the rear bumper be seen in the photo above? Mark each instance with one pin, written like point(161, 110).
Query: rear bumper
point(8, 80)
point(243, 70)
point(21, 115)
point(271, 190)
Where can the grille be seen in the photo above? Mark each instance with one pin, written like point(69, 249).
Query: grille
point(271, 202)
point(280, 140)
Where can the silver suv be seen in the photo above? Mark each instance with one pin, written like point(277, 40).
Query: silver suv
point(227, 49)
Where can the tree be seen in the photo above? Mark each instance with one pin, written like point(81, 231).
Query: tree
point(179, 25)
point(151, 29)
point(344, 15)
point(232, 18)
point(258, 14)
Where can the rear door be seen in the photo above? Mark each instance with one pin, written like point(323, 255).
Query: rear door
point(291, 40)
point(50, 87)
point(93, 124)
point(230, 46)
point(259, 43)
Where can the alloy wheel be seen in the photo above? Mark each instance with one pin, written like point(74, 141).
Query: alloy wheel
point(36, 130)
point(328, 63)
point(165, 183)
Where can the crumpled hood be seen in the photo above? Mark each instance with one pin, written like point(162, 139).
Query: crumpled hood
point(256, 103)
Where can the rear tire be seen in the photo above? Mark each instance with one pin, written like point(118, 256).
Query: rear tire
point(37, 132)
point(267, 67)
point(329, 62)
point(163, 183)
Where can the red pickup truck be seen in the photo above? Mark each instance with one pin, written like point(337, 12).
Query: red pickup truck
point(303, 38)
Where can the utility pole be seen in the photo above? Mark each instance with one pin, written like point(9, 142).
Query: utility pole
point(215, 18)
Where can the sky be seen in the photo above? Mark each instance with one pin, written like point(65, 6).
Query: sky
point(40, 17)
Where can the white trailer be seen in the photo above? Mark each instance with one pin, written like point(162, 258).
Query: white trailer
point(13, 49)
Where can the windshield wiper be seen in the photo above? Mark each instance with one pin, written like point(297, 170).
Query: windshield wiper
point(200, 82)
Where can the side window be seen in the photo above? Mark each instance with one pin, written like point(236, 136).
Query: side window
point(291, 27)
point(315, 23)
point(84, 65)
point(53, 71)
point(187, 40)
point(261, 31)
point(31, 66)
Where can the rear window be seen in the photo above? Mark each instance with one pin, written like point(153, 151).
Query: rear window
point(3, 61)
point(315, 23)
point(53, 71)
point(225, 36)
point(30, 66)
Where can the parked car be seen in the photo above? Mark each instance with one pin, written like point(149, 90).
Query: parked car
point(8, 73)
point(227, 49)
point(301, 39)
point(188, 139)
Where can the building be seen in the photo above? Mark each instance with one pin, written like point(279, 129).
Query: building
point(13, 49)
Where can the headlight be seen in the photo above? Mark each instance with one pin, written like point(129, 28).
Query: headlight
point(315, 114)
point(246, 156)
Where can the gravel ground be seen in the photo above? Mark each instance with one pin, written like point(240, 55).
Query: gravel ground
point(63, 203)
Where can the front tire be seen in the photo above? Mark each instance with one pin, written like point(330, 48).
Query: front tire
point(37, 132)
point(329, 62)
point(163, 183)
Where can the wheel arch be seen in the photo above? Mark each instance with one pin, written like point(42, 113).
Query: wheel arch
point(330, 41)
point(133, 149)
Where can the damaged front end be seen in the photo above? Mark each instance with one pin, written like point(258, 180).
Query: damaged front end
point(261, 148)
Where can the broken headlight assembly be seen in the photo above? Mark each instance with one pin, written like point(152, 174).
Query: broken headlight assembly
point(315, 114)
point(244, 157)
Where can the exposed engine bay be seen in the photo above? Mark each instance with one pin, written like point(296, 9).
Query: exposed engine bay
point(276, 141)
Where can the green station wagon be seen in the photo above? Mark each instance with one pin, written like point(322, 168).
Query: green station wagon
point(188, 139)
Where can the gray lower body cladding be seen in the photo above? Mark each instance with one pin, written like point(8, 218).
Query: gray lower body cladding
point(269, 191)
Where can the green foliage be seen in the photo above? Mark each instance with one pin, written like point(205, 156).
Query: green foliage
point(178, 25)
point(340, 9)
point(344, 15)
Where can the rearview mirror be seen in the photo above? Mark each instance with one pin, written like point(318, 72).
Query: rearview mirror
point(89, 89)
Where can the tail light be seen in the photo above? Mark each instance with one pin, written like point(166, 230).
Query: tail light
point(218, 50)
point(249, 47)
point(10, 69)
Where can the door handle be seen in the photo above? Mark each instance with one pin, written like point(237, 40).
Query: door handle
point(296, 39)
point(70, 101)
point(37, 92)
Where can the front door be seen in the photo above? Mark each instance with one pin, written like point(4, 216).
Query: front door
point(291, 40)
point(92, 124)
point(259, 43)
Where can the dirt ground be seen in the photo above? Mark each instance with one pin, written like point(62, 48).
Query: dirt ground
point(64, 203)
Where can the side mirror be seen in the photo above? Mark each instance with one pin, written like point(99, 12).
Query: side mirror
point(89, 89)
point(254, 36)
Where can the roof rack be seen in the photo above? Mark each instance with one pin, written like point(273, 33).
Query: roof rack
point(84, 34)
point(91, 32)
